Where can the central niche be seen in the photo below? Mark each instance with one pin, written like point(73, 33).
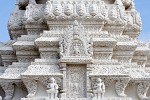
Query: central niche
point(76, 81)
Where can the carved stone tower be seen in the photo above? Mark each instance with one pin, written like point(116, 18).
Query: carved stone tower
point(74, 50)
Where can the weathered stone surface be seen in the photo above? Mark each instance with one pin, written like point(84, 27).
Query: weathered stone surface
point(74, 50)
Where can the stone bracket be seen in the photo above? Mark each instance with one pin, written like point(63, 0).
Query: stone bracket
point(120, 86)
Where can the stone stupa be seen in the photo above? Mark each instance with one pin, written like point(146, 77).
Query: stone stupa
point(74, 50)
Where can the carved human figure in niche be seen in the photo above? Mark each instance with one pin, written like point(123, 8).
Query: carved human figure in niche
point(76, 50)
point(98, 89)
point(52, 89)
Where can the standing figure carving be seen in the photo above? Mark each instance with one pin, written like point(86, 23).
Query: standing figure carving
point(81, 9)
point(98, 89)
point(68, 9)
point(57, 10)
point(48, 9)
point(76, 50)
point(52, 89)
point(29, 11)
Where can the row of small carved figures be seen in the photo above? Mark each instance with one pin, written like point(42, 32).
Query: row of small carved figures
point(79, 9)
point(98, 89)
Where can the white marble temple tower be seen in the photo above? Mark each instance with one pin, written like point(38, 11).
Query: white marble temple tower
point(74, 50)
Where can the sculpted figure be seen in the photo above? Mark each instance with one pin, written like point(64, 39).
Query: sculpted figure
point(113, 13)
point(28, 12)
point(68, 9)
point(142, 90)
point(48, 9)
point(93, 9)
point(101, 11)
point(76, 50)
point(119, 2)
point(99, 89)
point(81, 8)
point(57, 9)
point(129, 19)
point(104, 9)
point(74, 15)
point(138, 20)
point(52, 89)
point(120, 10)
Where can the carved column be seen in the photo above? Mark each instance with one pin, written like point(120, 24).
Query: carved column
point(120, 86)
point(8, 88)
point(142, 90)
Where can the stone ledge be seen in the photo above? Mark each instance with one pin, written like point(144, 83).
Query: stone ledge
point(111, 98)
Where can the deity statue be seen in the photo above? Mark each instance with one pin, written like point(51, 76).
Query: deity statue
point(52, 89)
point(93, 9)
point(90, 48)
point(129, 18)
point(98, 89)
point(76, 50)
point(81, 9)
point(68, 9)
point(48, 10)
point(57, 9)
point(119, 2)
point(113, 13)
point(138, 19)
point(29, 11)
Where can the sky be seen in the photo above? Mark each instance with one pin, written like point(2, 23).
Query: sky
point(7, 6)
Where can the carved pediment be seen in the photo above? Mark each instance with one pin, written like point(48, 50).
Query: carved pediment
point(74, 43)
